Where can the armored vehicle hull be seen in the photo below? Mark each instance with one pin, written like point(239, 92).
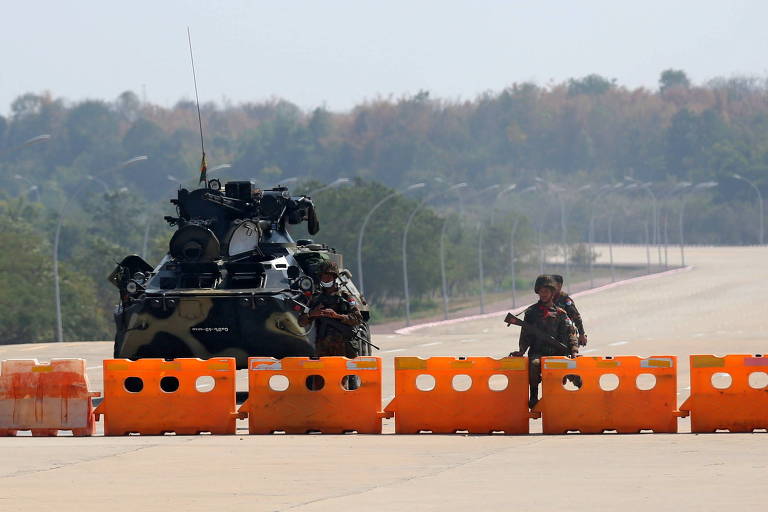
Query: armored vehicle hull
point(239, 297)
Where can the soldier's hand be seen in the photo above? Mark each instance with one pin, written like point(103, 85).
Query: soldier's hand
point(516, 353)
point(582, 340)
point(574, 353)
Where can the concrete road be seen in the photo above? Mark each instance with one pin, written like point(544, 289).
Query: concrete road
point(714, 308)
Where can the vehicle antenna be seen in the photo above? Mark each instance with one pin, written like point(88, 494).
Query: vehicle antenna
point(203, 163)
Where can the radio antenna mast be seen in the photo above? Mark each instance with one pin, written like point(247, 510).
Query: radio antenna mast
point(203, 163)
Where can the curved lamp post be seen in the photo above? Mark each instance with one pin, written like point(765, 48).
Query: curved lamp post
point(686, 187)
point(405, 245)
point(34, 140)
point(365, 223)
point(332, 184)
point(57, 235)
point(654, 239)
point(761, 233)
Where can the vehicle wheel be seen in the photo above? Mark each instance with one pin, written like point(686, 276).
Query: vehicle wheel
point(365, 333)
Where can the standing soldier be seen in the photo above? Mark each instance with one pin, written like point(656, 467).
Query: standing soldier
point(335, 316)
point(546, 331)
point(564, 301)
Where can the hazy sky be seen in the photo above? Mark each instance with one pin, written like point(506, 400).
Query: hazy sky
point(338, 53)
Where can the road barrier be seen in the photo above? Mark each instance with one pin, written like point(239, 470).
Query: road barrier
point(728, 393)
point(627, 394)
point(155, 396)
point(444, 395)
point(45, 398)
point(474, 394)
point(297, 395)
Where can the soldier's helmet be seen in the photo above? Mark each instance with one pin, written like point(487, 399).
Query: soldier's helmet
point(329, 267)
point(542, 281)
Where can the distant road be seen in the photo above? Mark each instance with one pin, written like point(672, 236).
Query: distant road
point(715, 308)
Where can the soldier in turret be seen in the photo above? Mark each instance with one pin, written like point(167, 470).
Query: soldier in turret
point(546, 331)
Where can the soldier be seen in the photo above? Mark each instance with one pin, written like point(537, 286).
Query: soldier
point(564, 301)
point(549, 326)
point(335, 316)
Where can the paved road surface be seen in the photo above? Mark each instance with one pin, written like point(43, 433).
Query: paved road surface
point(717, 307)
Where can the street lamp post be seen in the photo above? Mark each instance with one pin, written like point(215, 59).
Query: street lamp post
point(365, 223)
point(405, 245)
point(563, 226)
point(442, 249)
point(686, 187)
point(508, 189)
point(654, 212)
point(100, 182)
point(29, 142)
point(512, 261)
point(32, 186)
point(332, 184)
point(480, 268)
point(761, 233)
point(57, 236)
point(443, 280)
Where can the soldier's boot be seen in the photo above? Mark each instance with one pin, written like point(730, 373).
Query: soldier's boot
point(534, 397)
point(350, 382)
point(573, 379)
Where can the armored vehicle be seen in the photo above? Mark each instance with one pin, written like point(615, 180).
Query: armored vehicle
point(233, 282)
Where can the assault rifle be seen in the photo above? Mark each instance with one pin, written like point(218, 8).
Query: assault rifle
point(550, 340)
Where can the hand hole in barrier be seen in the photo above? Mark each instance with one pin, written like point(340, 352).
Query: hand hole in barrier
point(645, 381)
point(758, 380)
point(315, 382)
point(721, 380)
point(572, 382)
point(350, 382)
point(278, 383)
point(205, 383)
point(425, 382)
point(133, 384)
point(461, 382)
point(169, 384)
point(498, 382)
point(609, 381)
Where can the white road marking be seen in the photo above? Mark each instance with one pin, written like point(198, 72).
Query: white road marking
point(699, 334)
point(393, 350)
point(93, 367)
point(616, 344)
point(468, 340)
point(430, 344)
point(589, 350)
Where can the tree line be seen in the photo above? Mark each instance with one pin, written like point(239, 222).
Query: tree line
point(588, 148)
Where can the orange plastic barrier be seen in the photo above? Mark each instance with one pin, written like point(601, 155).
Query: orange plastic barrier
point(446, 408)
point(740, 407)
point(625, 409)
point(155, 396)
point(297, 395)
point(45, 398)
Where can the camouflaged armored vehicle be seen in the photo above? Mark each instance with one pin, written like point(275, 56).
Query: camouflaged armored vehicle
point(233, 282)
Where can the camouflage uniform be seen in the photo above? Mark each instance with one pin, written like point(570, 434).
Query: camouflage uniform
point(553, 321)
point(565, 302)
point(334, 336)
